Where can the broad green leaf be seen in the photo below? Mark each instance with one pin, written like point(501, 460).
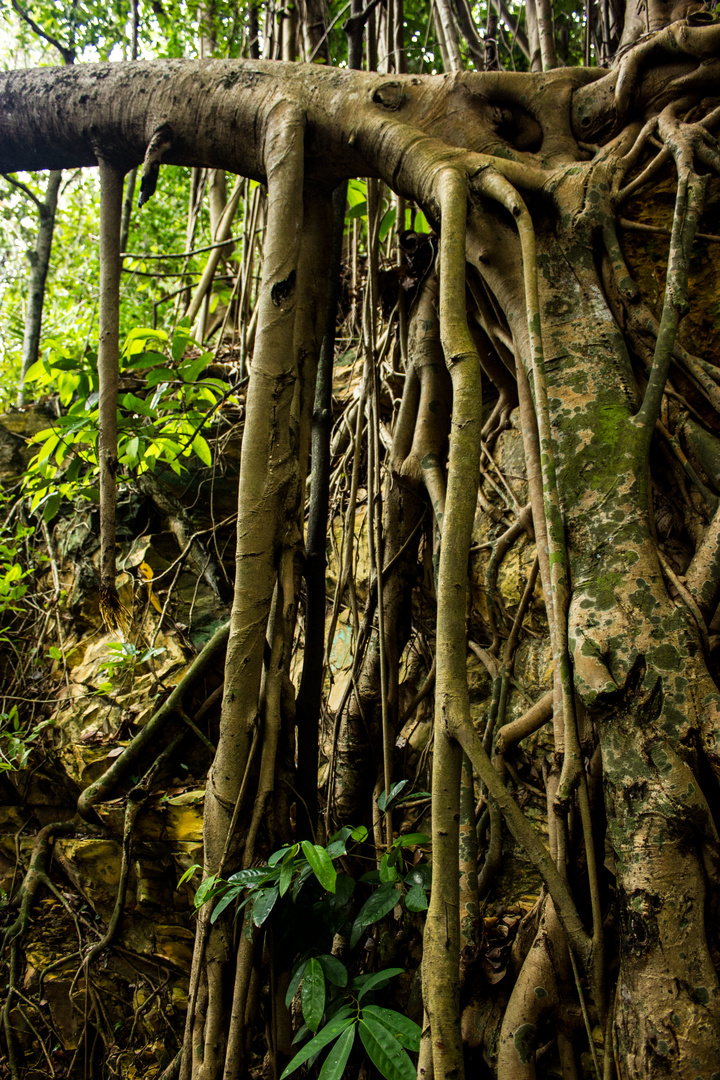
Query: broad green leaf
point(412, 839)
point(144, 360)
point(51, 507)
point(358, 211)
point(192, 368)
point(374, 908)
point(419, 875)
point(401, 1027)
point(344, 889)
point(334, 970)
point(294, 982)
point(385, 1052)
point(378, 979)
point(205, 890)
point(50, 443)
point(230, 896)
point(137, 405)
point(321, 864)
point(388, 872)
point(67, 385)
point(356, 192)
point(359, 834)
point(300, 1035)
point(263, 905)
point(387, 223)
point(332, 1029)
point(422, 224)
point(334, 1064)
point(158, 377)
point(286, 871)
point(416, 899)
point(132, 447)
point(336, 848)
point(279, 855)
point(252, 878)
point(312, 994)
point(201, 448)
point(385, 799)
point(181, 340)
point(137, 337)
point(37, 372)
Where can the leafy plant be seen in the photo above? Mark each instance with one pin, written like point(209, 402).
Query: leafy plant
point(160, 420)
point(124, 658)
point(326, 989)
point(386, 1034)
point(16, 740)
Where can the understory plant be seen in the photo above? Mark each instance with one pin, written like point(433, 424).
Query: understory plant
point(305, 899)
point(162, 414)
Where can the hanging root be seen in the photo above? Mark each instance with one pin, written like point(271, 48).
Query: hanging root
point(441, 952)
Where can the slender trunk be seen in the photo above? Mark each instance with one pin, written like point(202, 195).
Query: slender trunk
point(111, 191)
point(39, 263)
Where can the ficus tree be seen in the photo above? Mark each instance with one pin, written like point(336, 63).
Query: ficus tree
point(525, 177)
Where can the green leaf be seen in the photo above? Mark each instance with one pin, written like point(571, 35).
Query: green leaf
point(181, 340)
point(416, 900)
point(339, 1023)
point(374, 908)
point(356, 192)
point(144, 360)
point(205, 891)
point(263, 905)
point(281, 853)
point(192, 368)
point(51, 507)
point(252, 878)
point(422, 224)
point(230, 896)
point(344, 889)
point(388, 872)
point(411, 839)
point(51, 441)
point(137, 405)
point(54, 653)
point(189, 873)
point(335, 971)
point(312, 994)
point(334, 1064)
point(385, 799)
point(132, 448)
point(373, 982)
point(158, 376)
point(37, 372)
point(201, 448)
point(137, 337)
point(295, 982)
point(300, 880)
point(357, 211)
point(419, 875)
point(401, 1027)
point(286, 871)
point(385, 1052)
point(387, 223)
point(321, 864)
